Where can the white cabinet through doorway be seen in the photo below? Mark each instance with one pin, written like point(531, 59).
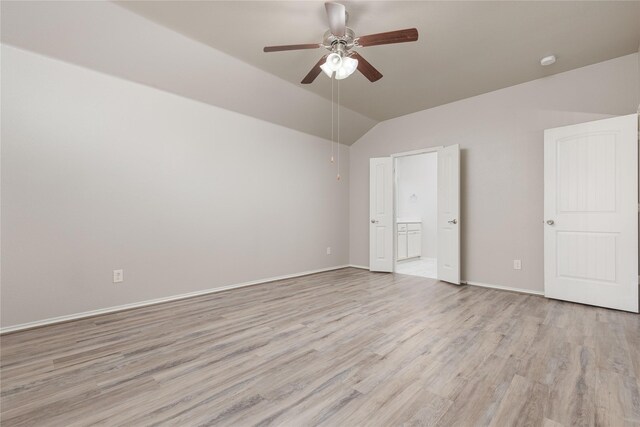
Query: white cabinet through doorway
point(402, 243)
point(409, 240)
point(414, 244)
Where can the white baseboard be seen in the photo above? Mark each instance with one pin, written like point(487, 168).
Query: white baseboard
point(504, 288)
point(92, 313)
point(482, 285)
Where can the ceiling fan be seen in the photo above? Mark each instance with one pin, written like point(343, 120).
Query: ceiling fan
point(340, 41)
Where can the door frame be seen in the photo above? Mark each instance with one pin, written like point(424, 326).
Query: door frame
point(394, 158)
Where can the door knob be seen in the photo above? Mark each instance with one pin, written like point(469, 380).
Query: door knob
point(374, 221)
point(550, 222)
point(453, 221)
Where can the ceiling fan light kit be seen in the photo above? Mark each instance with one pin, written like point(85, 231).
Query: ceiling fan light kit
point(341, 41)
point(334, 61)
point(349, 65)
point(344, 69)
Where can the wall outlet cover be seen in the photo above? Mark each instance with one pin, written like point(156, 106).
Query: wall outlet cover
point(118, 276)
point(517, 264)
point(329, 250)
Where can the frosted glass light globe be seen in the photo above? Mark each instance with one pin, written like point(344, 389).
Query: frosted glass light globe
point(349, 65)
point(325, 69)
point(334, 61)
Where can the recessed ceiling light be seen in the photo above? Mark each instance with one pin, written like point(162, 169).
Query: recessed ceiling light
point(548, 60)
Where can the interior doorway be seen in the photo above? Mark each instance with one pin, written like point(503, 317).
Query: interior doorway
point(383, 220)
point(416, 219)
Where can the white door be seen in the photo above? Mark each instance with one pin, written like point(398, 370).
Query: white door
point(449, 214)
point(591, 213)
point(381, 214)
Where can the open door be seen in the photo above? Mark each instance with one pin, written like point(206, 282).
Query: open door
point(381, 214)
point(449, 214)
point(591, 213)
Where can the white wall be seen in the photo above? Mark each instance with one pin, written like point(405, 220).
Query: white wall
point(99, 173)
point(418, 176)
point(501, 137)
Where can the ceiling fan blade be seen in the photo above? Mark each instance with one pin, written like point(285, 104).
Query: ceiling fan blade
point(315, 71)
point(368, 70)
point(291, 47)
point(337, 15)
point(399, 36)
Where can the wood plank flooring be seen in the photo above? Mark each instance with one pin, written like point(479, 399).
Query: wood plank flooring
point(342, 348)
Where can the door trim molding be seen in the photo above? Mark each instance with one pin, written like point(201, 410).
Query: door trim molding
point(139, 304)
point(420, 151)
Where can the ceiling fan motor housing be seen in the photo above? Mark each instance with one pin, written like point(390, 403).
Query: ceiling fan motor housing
point(340, 45)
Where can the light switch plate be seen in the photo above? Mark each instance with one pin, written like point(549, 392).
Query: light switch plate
point(517, 264)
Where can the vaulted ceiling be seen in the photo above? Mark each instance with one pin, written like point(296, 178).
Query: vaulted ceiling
point(464, 49)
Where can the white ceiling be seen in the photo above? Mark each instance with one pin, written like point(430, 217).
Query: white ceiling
point(211, 51)
point(465, 48)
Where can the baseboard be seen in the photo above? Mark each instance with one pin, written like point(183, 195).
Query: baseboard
point(93, 313)
point(504, 288)
point(482, 285)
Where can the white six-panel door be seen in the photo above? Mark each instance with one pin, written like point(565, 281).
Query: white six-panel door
point(591, 213)
point(381, 214)
point(449, 214)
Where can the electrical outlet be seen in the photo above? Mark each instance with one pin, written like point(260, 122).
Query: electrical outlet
point(118, 276)
point(329, 250)
point(517, 264)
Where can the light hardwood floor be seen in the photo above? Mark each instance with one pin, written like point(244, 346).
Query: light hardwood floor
point(343, 348)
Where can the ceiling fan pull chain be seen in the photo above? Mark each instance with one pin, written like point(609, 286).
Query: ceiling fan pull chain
point(331, 119)
point(338, 177)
